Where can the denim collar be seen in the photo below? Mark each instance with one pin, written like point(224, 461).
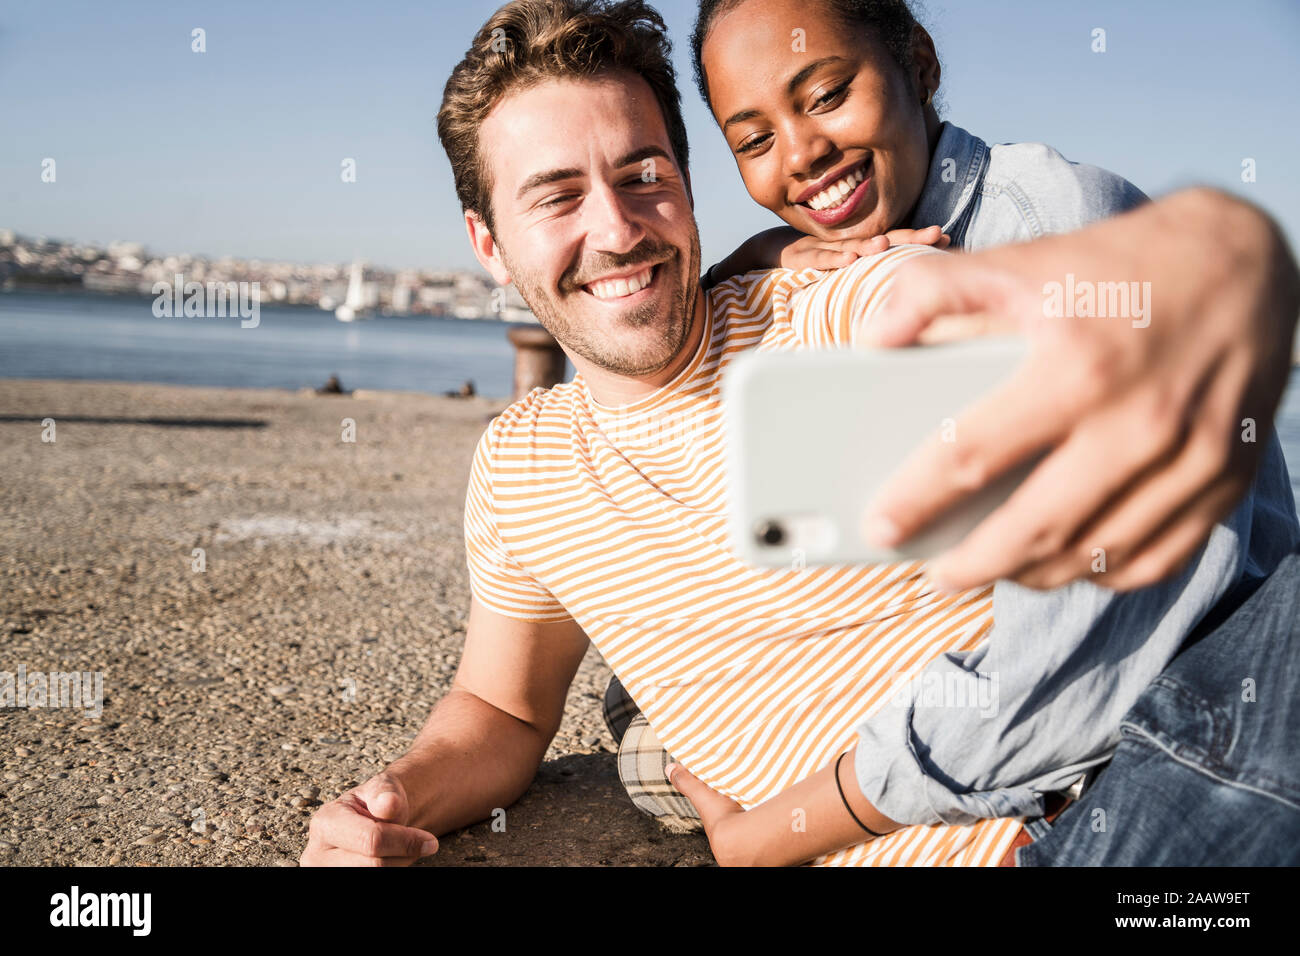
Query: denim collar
point(945, 202)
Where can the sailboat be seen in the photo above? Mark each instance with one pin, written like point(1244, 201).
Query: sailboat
point(354, 303)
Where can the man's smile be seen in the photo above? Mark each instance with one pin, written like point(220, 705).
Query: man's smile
point(622, 285)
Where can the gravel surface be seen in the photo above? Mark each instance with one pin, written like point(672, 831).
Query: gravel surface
point(327, 621)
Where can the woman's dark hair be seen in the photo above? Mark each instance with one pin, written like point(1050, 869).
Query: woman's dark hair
point(891, 21)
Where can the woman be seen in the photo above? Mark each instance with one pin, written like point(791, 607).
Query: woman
point(828, 108)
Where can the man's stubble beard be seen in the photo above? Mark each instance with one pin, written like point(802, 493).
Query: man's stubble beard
point(586, 341)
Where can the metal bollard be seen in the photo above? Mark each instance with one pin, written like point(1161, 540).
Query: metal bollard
point(539, 360)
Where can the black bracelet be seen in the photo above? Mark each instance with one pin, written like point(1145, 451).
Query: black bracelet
point(846, 799)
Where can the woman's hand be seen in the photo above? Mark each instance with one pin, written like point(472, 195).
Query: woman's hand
point(799, 824)
point(791, 249)
point(1153, 424)
point(723, 818)
point(788, 248)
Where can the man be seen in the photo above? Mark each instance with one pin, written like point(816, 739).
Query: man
point(597, 508)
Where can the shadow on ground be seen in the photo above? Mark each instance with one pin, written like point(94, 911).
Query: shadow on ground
point(576, 812)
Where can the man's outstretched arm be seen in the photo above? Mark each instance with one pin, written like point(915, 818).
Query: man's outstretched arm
point(478, 751)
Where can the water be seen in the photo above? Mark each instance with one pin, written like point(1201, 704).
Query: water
point(59, 335)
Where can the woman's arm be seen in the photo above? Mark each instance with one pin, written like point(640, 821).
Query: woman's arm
point(797, 825)
point(786, 248)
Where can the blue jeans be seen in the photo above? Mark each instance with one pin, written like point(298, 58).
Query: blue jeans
point(1208, 769)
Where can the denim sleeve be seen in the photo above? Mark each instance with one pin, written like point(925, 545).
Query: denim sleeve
point(984, 733)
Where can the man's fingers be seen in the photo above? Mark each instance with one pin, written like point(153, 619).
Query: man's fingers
point(1060, 498)
point(1173, 548)
point(932, 287)
point(1126, 565)
point(1009, 425)
point(334, 856)
point(347, 829)
point(387, 804)
point(1140, 530)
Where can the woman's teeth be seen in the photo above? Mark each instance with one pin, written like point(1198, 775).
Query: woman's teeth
point(833, 195)
point(618, 288)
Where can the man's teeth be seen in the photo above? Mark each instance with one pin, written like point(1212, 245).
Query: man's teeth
point(617, 288)
point(833, 195)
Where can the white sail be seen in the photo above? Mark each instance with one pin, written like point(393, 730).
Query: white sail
point(354, 303)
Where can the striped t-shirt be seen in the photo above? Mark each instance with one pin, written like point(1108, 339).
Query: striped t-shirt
point(616, 517)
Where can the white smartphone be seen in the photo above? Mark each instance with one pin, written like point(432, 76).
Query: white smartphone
point(812, 435)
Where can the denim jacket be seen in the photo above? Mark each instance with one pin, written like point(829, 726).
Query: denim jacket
point(987, 732)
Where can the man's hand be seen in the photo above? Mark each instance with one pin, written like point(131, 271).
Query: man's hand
point(367, 827)
point(1153, 426)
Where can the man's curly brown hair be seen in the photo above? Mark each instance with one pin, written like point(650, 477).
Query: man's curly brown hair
point(529, 41)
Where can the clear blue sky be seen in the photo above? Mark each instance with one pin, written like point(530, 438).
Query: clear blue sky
point(237, 151)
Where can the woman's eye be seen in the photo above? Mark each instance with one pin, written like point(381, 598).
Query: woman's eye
point(751, 144)
point(829, 97)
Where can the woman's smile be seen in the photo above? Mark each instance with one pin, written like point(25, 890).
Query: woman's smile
point(839, 196)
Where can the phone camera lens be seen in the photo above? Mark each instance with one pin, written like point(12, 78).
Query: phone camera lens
point(770, 533)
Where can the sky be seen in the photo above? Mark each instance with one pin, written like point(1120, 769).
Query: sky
point(237, 151)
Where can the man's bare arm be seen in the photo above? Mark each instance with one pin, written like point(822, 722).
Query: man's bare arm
point(484, 741)
point(478, 751)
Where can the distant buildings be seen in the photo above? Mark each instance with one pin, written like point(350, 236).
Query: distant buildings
point(128, 268)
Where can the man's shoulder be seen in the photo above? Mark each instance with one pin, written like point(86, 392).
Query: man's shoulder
point(863, 273)
point(541, 411)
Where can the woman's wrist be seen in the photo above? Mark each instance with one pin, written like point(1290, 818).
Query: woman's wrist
point(806, 821)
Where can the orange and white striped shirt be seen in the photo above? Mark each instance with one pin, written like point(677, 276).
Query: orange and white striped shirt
point(616, 517)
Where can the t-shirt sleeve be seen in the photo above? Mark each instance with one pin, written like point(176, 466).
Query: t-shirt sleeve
point(834, 309)
point(496, 579)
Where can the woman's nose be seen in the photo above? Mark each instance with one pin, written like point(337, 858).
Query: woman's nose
point(802, 149)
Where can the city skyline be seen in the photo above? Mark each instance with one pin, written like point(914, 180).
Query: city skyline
point(241, 150)
point(129, 268)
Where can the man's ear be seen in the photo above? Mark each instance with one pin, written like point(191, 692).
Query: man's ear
point(485, 247)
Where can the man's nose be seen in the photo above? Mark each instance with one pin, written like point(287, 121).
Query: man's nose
point(611, 224)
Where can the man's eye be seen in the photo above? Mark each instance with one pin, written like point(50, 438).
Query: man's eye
point(557, 200)
point(753, 143)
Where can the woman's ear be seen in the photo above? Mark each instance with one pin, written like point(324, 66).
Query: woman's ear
point(926, 72)
point(485, 247)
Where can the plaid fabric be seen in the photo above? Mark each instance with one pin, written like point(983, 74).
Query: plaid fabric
point(641, 763)
point(620, 708)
